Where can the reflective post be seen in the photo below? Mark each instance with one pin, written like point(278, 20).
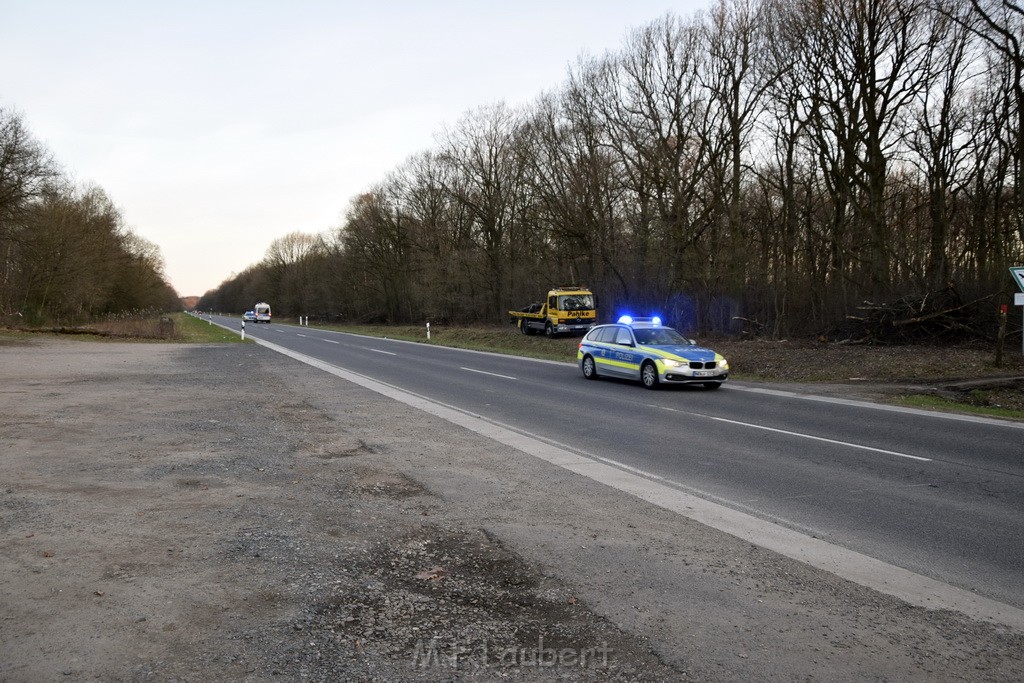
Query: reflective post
point(243, 330)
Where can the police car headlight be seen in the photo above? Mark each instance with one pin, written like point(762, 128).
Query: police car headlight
point(723, 364)
point(669, 363)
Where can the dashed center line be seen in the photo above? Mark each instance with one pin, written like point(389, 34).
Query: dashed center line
point(483, 372)
point(389, 353)
point(800, 435)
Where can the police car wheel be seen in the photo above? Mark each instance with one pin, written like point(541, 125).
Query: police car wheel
point(589, 368)
point(649, 375)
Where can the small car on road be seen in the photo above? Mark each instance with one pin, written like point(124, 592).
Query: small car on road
point(644, 349)
point(249, 317)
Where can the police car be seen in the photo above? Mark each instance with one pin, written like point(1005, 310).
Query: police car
point(644, 349)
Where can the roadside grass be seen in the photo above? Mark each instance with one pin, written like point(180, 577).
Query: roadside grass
point(134, 327)
point(14, 337)
point(494, 339)
point(174, 327)
point(193, 330)
point(928, 402)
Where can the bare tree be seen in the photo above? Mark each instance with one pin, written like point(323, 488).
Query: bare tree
point(487, 181)
point(72, 248)
point(577, 192)
point(938, 136)
point(26, 171)
point(737, 77)
point(661, 130)
point(1002, 28)
point(865, 58)
point(377, 250)
point(293, 248)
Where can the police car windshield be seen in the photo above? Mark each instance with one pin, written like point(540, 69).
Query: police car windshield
point(661, 336)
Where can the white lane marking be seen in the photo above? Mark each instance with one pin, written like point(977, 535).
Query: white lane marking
point(299, 334)
point(483, 372)
point(822, 438)
point(876, 406)
point(800, 435)
point(916, 589)
point(329, 341)
point(389, 353)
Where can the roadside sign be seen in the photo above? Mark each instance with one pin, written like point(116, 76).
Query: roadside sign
point(1018, 277)
point(1018, 299)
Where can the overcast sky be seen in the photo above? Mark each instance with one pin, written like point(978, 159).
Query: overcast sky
point(217, 127)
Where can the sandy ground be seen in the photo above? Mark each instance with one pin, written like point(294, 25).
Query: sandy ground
point(195, 513)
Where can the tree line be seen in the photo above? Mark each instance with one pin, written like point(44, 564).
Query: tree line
point(66, 255)
point(772, 164)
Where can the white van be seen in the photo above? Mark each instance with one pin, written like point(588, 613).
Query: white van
point(262, 311)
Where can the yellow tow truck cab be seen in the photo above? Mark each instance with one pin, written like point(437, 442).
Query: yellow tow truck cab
point(567, 310)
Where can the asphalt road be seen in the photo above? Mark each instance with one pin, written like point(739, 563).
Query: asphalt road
point(936, 494)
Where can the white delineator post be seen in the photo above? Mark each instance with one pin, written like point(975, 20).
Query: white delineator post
point(428, 331)
point(243, 330)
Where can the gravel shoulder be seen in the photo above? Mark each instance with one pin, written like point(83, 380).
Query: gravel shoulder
point(199, 512)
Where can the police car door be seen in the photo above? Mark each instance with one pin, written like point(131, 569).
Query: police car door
point(624, 354)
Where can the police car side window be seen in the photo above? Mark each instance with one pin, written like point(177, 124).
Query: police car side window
point(608, 335)
point(623, 337)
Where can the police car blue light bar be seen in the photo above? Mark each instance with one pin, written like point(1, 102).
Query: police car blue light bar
point(629, 320)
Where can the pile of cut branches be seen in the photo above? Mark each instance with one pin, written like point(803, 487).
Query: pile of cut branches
point(935, 318)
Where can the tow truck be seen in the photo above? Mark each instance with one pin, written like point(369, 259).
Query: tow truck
point(566, 310)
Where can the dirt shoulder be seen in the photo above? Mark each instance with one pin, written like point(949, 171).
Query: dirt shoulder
point(219, 512)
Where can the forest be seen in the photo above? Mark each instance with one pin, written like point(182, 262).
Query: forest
point(66, 255)
point(768, 167)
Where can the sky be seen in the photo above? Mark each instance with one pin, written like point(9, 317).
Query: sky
point(218, 127)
